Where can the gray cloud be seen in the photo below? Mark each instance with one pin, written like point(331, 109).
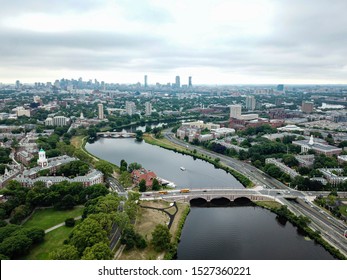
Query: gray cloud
point(15, 7)
point(306, 40)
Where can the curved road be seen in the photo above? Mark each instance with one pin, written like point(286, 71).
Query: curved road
point(331, 229)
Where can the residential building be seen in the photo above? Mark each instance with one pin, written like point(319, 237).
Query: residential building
point(100, 111)
point(305, 160)
point(250, 103)
point(60, 121)
point(332, 175)
point(49, 122)
point(130, 108)
point(21, 111)
point(148, 108)
point(307, 107)
point(291, 172)
point(235, 111)
point(143, 174)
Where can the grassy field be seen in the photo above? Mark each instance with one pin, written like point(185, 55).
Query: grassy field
point(145, 224)
point(343, 210)
point(268, 204)
point(47, 218)
point(53, 240)
point(163, 142)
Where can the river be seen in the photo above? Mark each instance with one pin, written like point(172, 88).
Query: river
point(166, 164)
point(215, 232)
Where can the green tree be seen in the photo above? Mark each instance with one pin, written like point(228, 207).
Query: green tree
point(161, 237)
point(139, 135)
point(70, 222)
point(290, 160)
point(123, 165)
point(36, 234)
point(125, 179)
point(66, 203)
point(142, 185)
point(104, 167)
point(155, 185)
point(20, 213)
point(66, 252)
point(87, 234)
point(99, 251)
point(273, 170)
point(15, 246)
point(134, 166)
point(96, 190)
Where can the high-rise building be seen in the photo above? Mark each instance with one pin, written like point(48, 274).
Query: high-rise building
point(146, 85)
point(178, 82)
point(280, 87)
point(250, 103)
point(130, 108)
point(100, 111)
point(307, 107)
point(190, 81)
point(148, 108)
point(60, 121)
point(17, 84)
point(235, 111)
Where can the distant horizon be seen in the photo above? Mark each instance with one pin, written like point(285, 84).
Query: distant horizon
point(217, 42)
point(194, 85)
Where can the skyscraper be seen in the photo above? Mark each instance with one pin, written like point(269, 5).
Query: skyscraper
point(146, 81)
point(190, 81)
point(307, 107)
point(280, 87)
point(178, 82)
point(148, 108)
point(100, 111)
point(130, 108)
point(235, 111)
point(250, 103)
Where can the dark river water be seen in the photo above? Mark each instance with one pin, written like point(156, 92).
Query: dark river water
point(222, 233)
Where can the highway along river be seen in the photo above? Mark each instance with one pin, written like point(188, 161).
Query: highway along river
point(243, 232)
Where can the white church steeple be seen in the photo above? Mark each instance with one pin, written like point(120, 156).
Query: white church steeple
point(311, 142)
point(42, 161)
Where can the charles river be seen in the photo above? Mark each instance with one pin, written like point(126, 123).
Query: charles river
point(230, 233)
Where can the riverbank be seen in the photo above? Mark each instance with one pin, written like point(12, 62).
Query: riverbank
point(146, 221)
point(302, 224)
point(166, 144)
point(79, 143)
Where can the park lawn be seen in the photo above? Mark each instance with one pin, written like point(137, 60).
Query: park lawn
point(53, 241)
point(47, 218)
point(77, 141)
point(343, 210)
point(268, 204)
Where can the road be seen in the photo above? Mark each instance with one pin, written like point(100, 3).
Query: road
point(257, 176)
point(331, 229)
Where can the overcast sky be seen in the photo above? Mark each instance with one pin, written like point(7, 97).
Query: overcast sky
point(214, 41)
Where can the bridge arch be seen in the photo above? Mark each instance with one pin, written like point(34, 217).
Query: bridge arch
point(198, 201)
point(220, 201)
point(242, 200)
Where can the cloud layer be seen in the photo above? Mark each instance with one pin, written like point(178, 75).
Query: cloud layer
point(218, 42)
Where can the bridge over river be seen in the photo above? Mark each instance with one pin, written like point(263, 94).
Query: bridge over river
point(114, 134)
point(211, 194)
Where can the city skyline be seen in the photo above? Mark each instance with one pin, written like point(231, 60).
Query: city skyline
point(215, 42)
